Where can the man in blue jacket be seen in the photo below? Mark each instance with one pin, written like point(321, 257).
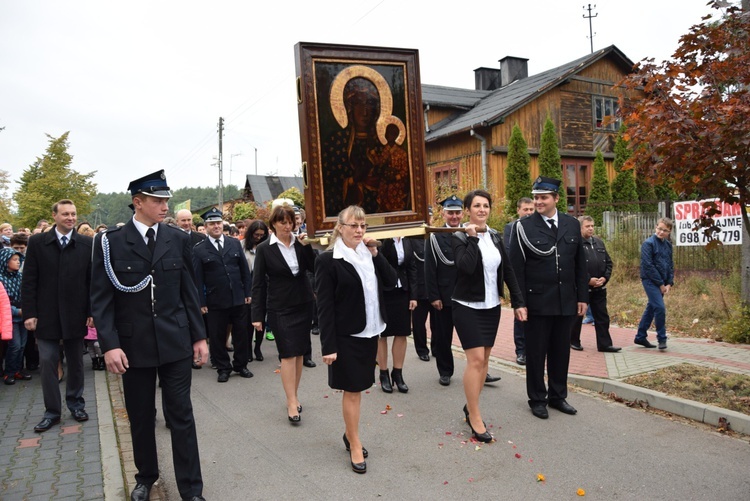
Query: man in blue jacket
point(657, 276)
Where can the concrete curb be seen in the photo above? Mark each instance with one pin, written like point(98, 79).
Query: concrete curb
point(690, 409)
point(112, 478)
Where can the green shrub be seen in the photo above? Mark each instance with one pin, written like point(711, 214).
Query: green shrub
point(737, 328)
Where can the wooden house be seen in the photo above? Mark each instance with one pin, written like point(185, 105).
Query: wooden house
point(467, 130)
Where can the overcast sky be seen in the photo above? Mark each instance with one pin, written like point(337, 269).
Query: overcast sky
point(141, 85)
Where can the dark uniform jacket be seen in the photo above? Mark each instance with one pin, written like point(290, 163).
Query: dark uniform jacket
point(407, 271)
point(417, 246)
point(551, 286)
point(224, 280)
point(598, 262)
point(274, 286)
point(470, 276)
point(150, 333)
point(55, 285)
point(341, 299)
point(440, 278)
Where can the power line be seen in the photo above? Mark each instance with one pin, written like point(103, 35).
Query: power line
point(590, 17)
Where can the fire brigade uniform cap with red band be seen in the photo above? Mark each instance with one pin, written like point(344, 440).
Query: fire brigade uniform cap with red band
point(154, 185)
point(545, 185)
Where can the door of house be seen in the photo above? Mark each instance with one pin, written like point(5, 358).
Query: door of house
point(577, 174)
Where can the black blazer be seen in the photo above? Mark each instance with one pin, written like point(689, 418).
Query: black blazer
point(341, 299)
point(418, 246)
point(470, 270)
point(440, 278)
point(55, 285)
point(550, 287)
point(274, 286)
point(150, 334)
point(196, 238)
point(222, 280)
point(407, 272)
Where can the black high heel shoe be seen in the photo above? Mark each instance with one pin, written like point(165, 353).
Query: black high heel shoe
point(398, 379)
point(481, 437)
point(299, 408)
point(346, 443)
point(294, 419)
point(358, 467)
point(385, 382)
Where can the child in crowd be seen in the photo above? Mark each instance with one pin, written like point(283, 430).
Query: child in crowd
point(10, 277)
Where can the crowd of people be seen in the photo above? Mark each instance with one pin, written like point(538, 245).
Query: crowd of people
point(158, 296)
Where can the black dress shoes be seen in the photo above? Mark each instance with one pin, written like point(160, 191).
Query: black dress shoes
point(491, 379)
point(309, 363)
point(80, 415)
point(644, 342)
point(140, 493)
point(398, 380)
point(347, 445)
point(445, 380)
point(540, 411)
point(223, 377)
point(244, 372)
point(45, 424)
point(576, 347)
point(358, 467)
point(194, 498)
point(611, 349)
point(424, 358)
point(563, 406)
point(295, 419)
point(521, 359)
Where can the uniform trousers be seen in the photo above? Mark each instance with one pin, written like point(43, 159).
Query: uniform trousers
point(419, 326)
point(217, 321)
point(519, 339)
point(441, 342)
point(547, 338)
point(139, 385)
point(598, 304)
point(49, 359)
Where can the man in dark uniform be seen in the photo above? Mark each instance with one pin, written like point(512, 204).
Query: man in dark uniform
point(547, 254)
point(598, 269)
point(147, 315)
point(524, 207)
point(440, 280)
point(223, 280)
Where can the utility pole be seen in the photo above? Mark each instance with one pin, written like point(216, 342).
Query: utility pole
point(221, 167)
point(590, 17)
point(256, 161)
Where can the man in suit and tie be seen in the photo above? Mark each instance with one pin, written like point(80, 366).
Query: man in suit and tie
point(223, 279)
point(148, 319)
point(184, 220)
point(546, 250)
point(55, 304)
point(524, 207)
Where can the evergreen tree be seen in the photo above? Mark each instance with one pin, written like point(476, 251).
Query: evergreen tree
point(623, 185)
point(550, 162)
point(5, 200)
point(50, 179)
point(517, 176)
point(600, 199)
point(645, 187)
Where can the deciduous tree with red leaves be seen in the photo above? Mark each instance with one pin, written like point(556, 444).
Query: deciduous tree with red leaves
point(693, 123)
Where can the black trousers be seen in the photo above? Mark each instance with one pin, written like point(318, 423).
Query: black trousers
point(49, 358)
point(441, 327)
point(547, 339)
point(218, 320)
point(139, 385)
point(419, 326)
point(598, 303)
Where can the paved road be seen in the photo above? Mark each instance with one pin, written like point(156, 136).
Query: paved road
point(421, 449)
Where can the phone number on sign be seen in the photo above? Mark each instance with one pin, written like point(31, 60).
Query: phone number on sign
point(698, 238)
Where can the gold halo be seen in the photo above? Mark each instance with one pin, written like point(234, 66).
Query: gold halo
point(386, 99)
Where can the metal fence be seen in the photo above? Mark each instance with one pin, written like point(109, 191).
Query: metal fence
point(624, 232)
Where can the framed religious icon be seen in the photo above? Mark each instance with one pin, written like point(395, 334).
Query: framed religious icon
point(362, 134)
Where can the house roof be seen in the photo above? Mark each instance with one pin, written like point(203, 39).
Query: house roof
point(493, 107)
point(451, 97)
point(266, 188)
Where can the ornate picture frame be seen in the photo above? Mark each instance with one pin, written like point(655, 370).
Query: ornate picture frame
point(361, 134)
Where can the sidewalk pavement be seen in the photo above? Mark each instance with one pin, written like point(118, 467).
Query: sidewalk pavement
point(93, 460)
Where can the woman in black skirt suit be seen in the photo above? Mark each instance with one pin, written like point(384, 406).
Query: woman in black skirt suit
point(400, 300)
point(349, 279)
point(283, 296)
point(482, 264)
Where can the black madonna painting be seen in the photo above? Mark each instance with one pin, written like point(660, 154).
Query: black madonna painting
point(361, 131)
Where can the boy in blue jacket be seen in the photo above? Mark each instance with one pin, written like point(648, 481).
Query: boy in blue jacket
point(657, 276)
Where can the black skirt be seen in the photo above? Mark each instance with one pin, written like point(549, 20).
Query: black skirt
point(291, 328)
point(399, 315)
point(354, 368)
point(476, 327)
